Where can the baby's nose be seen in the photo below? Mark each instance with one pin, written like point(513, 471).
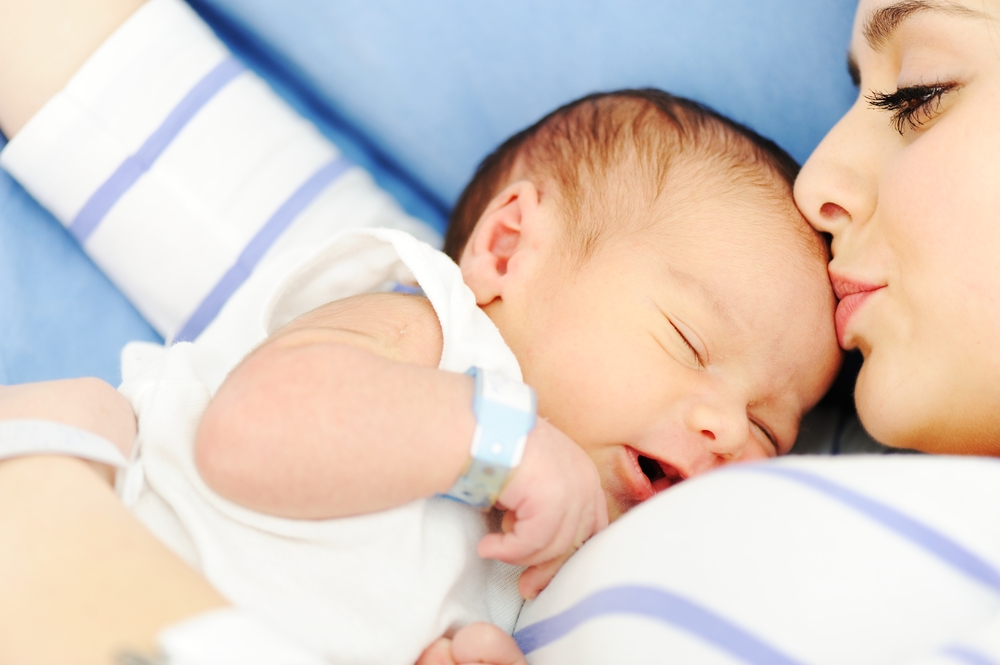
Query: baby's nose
point(723, 429)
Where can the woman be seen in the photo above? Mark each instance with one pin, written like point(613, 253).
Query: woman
point(908, 187)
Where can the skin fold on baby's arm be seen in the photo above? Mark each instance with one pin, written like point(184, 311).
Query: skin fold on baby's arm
point(344, 412)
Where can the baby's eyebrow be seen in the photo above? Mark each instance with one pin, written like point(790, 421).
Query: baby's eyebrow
point(713, 299)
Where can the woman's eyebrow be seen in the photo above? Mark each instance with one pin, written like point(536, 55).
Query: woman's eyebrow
point(883, 22)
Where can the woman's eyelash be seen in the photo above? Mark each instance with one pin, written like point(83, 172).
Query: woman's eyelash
point(911, 106)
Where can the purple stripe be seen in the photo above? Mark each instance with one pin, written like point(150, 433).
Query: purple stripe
point(126, 175)
point(967, 656)
point(258, 246)
point(930, 540)
point(653, 604)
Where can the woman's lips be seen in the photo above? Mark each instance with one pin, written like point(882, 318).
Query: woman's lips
point(851, 295)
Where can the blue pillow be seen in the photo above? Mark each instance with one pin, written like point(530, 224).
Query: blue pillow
point(59, 314)
point(418, 94)
point(438, 85)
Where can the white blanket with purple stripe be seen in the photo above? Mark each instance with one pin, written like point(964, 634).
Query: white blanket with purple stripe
point(800, 561)
point(180, 172)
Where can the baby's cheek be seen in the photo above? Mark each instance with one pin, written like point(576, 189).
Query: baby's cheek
point(756, 450)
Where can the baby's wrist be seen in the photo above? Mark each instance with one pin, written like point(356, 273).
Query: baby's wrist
point(506, 412)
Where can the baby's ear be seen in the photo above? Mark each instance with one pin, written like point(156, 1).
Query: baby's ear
point(503, 231)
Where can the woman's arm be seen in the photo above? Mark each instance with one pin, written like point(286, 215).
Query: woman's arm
point(43, 43)
point(81, 578)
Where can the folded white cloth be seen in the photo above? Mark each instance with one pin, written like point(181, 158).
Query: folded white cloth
point(181, 172)
point(230, 637)
point(861, 560)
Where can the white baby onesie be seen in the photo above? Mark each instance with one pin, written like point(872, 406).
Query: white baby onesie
point(371, 589)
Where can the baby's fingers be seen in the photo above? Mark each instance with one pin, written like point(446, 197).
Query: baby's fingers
point(536, 578)
point(438, 653)
point(532, 541)
point(510, 548)
point(485, 643)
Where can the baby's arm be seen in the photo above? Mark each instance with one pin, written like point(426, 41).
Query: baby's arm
point(344, 412)
point(340, 413)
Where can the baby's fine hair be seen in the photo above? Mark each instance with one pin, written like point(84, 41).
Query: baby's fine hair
point(599, 149)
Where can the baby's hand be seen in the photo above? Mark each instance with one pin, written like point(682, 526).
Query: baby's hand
point(554, 503)
point(476, 643)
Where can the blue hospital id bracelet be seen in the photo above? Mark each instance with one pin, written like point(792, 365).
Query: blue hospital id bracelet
point(505, 413)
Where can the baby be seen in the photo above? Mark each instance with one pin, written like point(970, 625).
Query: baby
point(633, 257)
point(650, 279)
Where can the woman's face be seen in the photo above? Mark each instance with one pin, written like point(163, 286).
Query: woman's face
point(908, 186)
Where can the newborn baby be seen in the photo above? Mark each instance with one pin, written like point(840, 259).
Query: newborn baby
point(633, 257)
point(650, 279)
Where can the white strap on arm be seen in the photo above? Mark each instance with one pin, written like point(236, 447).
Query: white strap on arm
point(505, 414)
point(20, 438)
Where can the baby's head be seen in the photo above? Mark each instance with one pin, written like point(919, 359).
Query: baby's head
point(643, 258)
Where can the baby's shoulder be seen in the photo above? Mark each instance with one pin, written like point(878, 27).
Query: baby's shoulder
point(399, 326)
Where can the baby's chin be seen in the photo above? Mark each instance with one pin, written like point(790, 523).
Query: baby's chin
point(619, 504)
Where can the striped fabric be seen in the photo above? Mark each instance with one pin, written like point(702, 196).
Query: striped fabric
point(181, 173)
point(658, 605)
point(850, 560)
point(258, 246)
point(134, 166)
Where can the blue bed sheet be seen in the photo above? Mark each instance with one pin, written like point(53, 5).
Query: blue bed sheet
point(418, 93)
point(438, 84)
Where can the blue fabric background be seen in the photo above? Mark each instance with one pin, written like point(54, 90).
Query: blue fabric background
point(418, 93)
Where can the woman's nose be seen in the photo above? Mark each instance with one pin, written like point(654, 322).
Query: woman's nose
point(837, 185)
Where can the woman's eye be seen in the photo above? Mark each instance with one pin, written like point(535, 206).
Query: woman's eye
point(912, 106)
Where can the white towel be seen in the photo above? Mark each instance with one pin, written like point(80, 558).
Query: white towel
point(819, 561)
point(180, 172)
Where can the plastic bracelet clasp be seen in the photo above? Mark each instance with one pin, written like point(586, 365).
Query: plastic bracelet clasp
point(505, 413)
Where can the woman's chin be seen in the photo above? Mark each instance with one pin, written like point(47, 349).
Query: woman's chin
point(890, 407)
point(921, 412)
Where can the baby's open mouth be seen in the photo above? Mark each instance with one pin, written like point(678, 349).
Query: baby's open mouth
point(661, 475)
